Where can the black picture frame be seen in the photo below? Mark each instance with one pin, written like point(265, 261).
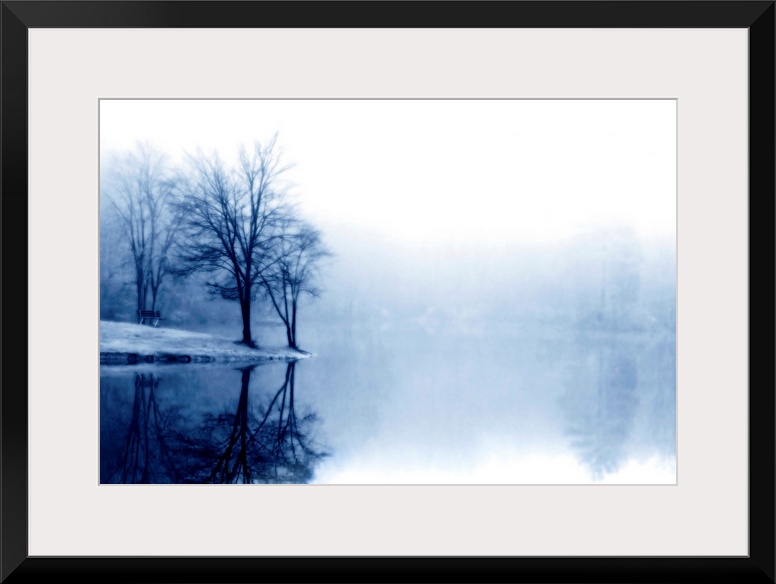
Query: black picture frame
point(756, 16)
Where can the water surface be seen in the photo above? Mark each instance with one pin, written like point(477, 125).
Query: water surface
point(377, 404)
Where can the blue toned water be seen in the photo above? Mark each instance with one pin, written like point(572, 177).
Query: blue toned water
point(503, 403)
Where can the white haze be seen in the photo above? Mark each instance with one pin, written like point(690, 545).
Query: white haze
point(440, 172)
point(500, 302)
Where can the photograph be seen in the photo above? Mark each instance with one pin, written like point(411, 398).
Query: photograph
point(387, 291)
point(476, 294)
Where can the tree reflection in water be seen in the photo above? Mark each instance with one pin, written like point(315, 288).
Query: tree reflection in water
point(600, 405)
point(144, 456)
point(272, 443)
point(602, 394)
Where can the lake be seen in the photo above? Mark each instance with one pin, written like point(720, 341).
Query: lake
point(502, 404)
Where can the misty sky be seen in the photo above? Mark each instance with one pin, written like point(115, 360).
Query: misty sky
point(440, 171)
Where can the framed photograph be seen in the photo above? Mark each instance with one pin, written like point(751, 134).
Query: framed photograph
point(388, 291)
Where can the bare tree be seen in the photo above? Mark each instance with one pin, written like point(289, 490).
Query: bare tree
point(141, 195)
point(292, 271)
point(230, 226)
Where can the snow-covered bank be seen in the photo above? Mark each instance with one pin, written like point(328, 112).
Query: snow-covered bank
point(122, 343)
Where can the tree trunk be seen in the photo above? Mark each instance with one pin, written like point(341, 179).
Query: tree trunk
point(245, 308)
point(140, 282)
point(293, 324)
point(145, 294)
point(289, 336)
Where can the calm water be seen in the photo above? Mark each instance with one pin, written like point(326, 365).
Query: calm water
point(378, 405)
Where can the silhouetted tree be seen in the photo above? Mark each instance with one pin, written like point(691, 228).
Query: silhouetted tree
point(292, 271)
point(231, 220)
point(140, 190)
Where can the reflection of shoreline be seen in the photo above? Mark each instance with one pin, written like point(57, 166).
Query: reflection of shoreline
point(161, 368)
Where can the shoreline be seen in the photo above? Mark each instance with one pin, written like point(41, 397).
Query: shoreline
point(124, 343)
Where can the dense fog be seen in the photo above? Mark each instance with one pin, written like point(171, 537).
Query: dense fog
point(488, 290)
point(605, 279)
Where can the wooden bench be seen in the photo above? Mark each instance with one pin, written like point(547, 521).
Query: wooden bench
point(153, 316)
